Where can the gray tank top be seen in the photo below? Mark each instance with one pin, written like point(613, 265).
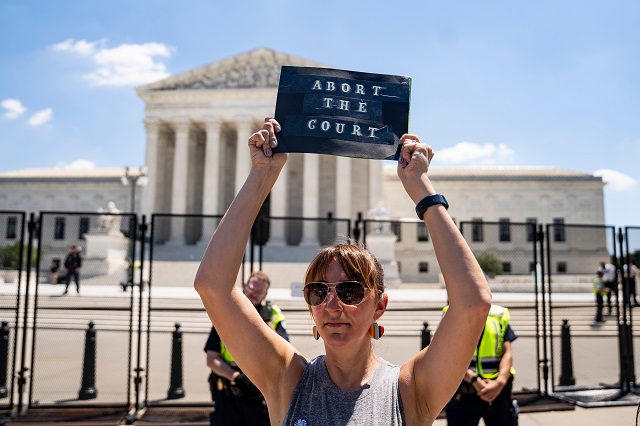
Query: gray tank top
point(318, 401)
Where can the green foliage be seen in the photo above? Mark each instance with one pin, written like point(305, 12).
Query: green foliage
point(489, 264)
point(10, 256)
point(635, 257)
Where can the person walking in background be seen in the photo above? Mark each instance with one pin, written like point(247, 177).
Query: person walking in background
point(600, 290)
point(485, 390)
point(237, 401)
point(609, 279)
point(72, 264)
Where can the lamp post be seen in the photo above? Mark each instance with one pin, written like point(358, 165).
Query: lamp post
point(134, 180)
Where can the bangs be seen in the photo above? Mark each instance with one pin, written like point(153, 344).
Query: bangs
point(355, 261)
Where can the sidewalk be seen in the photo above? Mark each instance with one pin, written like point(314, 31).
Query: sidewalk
point(619, 416)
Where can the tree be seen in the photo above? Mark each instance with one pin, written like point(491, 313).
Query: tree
point(489, 264)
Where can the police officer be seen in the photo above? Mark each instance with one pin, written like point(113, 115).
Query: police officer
point(609, 277)
point(485, 391)
point(237, 401)
point(600, 290)
point(72, 264)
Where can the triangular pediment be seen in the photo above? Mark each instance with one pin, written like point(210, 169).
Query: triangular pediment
point(259, 68)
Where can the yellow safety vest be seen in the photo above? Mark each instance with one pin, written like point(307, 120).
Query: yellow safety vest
point(276, 318)
point(598, 287)
point(486, 358)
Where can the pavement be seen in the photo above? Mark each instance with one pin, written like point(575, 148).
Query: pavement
point(619, 416)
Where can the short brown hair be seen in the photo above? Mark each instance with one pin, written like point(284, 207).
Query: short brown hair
point(259, 275)
point(356, 261)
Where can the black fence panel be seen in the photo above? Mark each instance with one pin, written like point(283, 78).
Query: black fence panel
point(507, 252)
point(176, 326)
point(632, 276)
point(81, 342)
point(574, 253)
point(12, 260)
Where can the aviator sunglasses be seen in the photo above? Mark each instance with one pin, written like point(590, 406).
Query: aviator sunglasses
point(349, 292)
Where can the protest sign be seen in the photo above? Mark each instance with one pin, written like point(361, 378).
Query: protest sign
point(345, 113)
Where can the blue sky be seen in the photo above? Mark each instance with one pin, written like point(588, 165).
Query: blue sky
point(547, 83)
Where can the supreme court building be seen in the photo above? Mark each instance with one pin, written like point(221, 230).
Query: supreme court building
point(198, 124)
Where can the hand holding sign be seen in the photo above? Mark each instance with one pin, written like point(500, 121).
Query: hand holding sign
point(347, 113)
point(413, 167)
point(262, 143)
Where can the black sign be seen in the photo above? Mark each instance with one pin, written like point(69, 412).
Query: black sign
point(346, 113)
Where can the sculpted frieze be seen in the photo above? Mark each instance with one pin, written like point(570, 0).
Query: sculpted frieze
point(238, 76)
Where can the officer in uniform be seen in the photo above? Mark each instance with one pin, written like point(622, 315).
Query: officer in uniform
point(485, 391)
point(237, 401)
point(600, 290)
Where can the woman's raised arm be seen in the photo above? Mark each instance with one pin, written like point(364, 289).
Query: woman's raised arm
point(435, 373)
point(239, 325)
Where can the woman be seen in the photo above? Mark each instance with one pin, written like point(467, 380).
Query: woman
point(345, 291)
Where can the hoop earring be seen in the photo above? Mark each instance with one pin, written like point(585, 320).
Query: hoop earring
point(316, 334)
point(376, 331)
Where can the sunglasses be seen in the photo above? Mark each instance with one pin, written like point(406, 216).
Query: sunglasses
point(349, 292)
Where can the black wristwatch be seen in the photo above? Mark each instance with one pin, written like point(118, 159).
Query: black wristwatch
point(429, 201)
point(473, 379)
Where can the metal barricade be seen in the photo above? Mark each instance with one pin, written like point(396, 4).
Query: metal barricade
point(58, 351)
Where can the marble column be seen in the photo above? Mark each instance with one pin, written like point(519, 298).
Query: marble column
point(243, 160)
point(279, 208)
point(310, 199)
point(148, 204)
point(375, 183)
point(343, 188)
point(179, 185)
point(211, 187)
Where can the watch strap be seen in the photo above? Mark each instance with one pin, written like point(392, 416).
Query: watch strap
point(429, 201)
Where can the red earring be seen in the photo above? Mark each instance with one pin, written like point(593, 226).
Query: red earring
point(376, 331)
point(316, 334)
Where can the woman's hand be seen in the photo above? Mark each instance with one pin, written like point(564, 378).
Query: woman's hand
point(413, 166)
point(262, 143)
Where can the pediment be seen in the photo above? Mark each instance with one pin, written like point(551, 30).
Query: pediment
point(259, 68)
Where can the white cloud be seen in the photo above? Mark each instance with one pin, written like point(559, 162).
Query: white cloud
point(81, 47)
point(13, 108)
point(476, 154)
point(617, 181)
point(77, 165)
point(127, 64)
point(41, 117)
